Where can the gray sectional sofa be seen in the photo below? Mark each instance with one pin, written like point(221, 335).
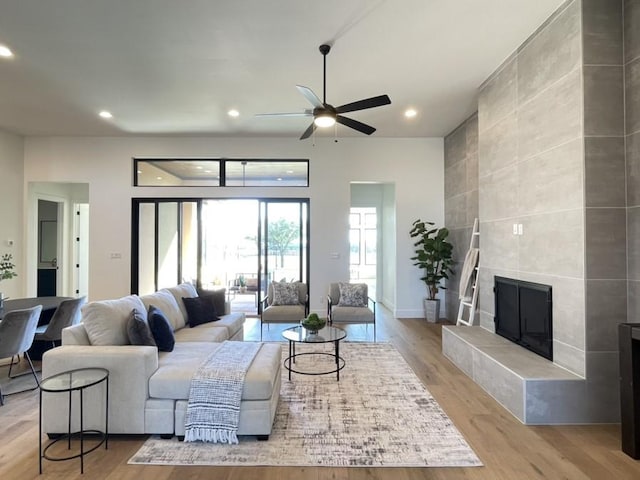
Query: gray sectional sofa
point(148, 390)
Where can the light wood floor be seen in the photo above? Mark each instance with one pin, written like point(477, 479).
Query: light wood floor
point(508, 449)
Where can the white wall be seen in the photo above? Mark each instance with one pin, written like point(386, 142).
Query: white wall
point(11, 202)
point(414, 165)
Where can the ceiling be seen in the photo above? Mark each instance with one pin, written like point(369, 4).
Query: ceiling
point(177, 67)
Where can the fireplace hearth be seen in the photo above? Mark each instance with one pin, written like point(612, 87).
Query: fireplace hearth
point(523, 314)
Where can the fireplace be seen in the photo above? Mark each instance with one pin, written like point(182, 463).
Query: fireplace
point(523, 314)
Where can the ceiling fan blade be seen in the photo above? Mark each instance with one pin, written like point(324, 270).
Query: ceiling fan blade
point(364, 104)
point(306, 113)
point(356, 125)
point(307, 133)
point(309, 95)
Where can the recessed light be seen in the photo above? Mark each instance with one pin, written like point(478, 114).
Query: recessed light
point(207, 171)
point(139, 172)
point(289, 172)
point(279, 179)
point(199, 167)
point(410, 113)
point(105, 114)
point(5, 51)
point(158, 178)
point(233, 113)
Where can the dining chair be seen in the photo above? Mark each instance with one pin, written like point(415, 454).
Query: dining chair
point(17, 331)
point(67, 314)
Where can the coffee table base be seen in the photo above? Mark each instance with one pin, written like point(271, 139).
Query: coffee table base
point(340, 363)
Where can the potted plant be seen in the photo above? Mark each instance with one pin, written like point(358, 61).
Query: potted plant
point(242, 283)
point(6, 272)
point(434, 257)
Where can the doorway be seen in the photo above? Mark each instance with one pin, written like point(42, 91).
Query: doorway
point(363, 247)
point(49, 219)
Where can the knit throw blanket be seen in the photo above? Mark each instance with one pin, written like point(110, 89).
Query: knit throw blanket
point(213, 410)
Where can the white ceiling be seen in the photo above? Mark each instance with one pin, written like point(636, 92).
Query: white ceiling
point(176, 67)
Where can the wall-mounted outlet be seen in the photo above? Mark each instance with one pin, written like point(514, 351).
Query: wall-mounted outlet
point(515, 229)
point(9, 243)
point(520, 229)
point(116, 255)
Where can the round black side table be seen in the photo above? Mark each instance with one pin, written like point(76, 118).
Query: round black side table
point(68, 382)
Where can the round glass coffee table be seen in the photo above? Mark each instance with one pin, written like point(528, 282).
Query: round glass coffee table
point(328, 334)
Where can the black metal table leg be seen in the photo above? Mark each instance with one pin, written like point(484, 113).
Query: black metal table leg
point(337, 351)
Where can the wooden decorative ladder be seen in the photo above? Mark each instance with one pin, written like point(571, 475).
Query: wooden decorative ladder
point(469, 302)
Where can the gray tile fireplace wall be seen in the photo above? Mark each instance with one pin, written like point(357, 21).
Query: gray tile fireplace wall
point(461, 199)
point(553, 123)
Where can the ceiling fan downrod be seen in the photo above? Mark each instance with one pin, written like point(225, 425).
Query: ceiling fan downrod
point(324, 50)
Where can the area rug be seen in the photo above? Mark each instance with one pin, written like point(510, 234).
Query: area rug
point(378, 415)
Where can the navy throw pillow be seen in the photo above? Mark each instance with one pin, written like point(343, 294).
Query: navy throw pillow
point(161, 329)
point(200, 310)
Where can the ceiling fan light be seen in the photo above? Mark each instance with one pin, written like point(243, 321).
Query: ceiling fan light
point(324, 121)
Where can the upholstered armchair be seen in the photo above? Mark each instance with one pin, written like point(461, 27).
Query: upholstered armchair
point(349, 303)
point(284, 303)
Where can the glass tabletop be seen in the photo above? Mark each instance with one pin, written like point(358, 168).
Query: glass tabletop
point(324, 335)
point(74, 379)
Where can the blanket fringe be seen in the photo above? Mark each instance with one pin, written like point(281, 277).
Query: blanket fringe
point(210, 436)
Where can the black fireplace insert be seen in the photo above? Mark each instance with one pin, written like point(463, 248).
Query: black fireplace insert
point(524, 314)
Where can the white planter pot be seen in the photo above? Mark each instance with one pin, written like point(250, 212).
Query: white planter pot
point(431, 310)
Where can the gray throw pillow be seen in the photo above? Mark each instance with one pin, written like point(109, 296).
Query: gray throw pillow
point(352, 294)
point(218, 297)
point(138, 330)
point(285, 294)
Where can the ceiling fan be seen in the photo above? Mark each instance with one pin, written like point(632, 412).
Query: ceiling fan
point(325, 114)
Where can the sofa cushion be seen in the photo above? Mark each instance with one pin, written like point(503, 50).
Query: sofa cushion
point(161, 329)
point(184, 290)
point(173, 378)
point(200, 310)
point(106, 321)
point(207, 332)
point(164, 300)
point(138, 330)
point(232, 322)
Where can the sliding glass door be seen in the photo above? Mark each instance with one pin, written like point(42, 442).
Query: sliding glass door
point(237, 244)
point(284, 240)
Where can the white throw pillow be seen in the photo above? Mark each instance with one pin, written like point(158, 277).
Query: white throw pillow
point(165, 301)
point(106, 321)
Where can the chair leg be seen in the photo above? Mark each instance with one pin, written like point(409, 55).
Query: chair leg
point(1, 398)
point(33, 370)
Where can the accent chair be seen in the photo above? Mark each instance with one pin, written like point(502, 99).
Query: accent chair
point(284, 303)
point(349, 303)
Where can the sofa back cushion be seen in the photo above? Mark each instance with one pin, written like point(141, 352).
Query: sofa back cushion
point(164, 300)
point(106, 321)
point(184, 290)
